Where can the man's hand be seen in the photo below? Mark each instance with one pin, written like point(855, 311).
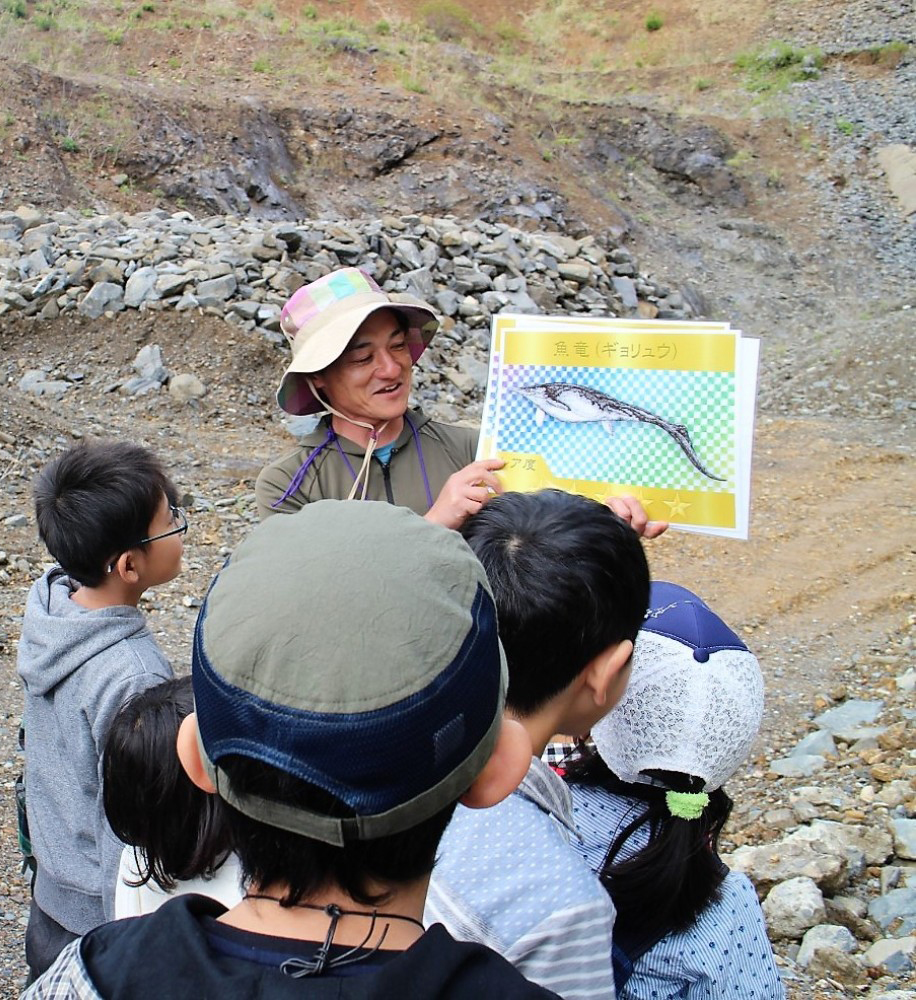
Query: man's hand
point(629, 509)
point(465, 492)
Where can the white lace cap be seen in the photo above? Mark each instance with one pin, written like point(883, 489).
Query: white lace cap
point(695, 697)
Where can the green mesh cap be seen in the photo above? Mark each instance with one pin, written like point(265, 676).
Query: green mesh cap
point(354, 646)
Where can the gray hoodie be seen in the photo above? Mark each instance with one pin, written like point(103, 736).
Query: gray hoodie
point(78, 667)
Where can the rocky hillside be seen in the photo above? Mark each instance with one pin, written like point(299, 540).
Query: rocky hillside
point(170, 172)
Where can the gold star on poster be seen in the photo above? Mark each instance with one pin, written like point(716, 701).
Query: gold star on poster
point(677, 506)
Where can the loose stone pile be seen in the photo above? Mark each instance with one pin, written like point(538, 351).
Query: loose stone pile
point(837, 873)
point(243, 271)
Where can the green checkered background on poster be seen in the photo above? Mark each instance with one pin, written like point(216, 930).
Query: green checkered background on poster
point(636, 452)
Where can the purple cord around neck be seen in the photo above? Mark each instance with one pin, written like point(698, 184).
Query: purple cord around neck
point(416, 441)
point(296, 481)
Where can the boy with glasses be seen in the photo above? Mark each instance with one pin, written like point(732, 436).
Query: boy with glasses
point(109, 516)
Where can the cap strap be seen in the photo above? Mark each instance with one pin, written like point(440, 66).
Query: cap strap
point(362, 477)
point(686, 805)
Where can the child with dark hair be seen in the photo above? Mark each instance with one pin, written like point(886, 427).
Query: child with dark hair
point(339, 753)
point(649, 803)
point(108, 514)
point(571, 585)
point(177, 839)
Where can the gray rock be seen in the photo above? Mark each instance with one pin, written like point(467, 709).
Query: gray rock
point(420, 283)
point(861, 844)
point(846, 720)
point(777, 862)
point(29, 216)
point(185, 387)
point(40, 237)
point(106, 271)
point(34, 264)
point(626, 289)
point(798, 765)
point(215, 291)
point(819, 743)
point(141, 286)
point(148, 364)
point(447, 302)
point(246, 308)
point(904, 831)
point(168, 285)
point(556, 244)
point(469, 279)
point(16, 521)
point(477, 370)
point(893, 955)
point(409, 253)
point(461, 380)
point(895, 912)
point(825, 936)
point(575, 270)
point(103, 297)
point(792, 907)
point(837, 966)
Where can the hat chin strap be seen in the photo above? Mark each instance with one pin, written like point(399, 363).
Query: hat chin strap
point(362, 477)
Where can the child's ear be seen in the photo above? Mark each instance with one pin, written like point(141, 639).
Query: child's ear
point(189, 754)
point(503, 772)
point(608, 673)
point(126, 567)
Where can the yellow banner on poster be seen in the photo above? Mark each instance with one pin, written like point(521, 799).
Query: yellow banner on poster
point(695, 508)
point(669, 350)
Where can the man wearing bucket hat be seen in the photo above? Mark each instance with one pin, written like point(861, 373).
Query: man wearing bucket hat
point(353, 351)
point(340, 754)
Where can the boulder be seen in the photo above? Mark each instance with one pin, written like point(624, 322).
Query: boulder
point(792, 907)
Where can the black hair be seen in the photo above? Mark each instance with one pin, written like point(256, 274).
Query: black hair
point(269, 856)
point(569, 578)
point(96, 501)
point(176, 829)
point(668, 883)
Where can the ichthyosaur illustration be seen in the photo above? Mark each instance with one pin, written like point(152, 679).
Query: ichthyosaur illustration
point(581, 404)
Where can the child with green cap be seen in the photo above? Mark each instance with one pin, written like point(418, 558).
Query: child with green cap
point(349, 689)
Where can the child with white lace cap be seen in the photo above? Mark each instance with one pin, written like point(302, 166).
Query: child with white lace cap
point(649, 805)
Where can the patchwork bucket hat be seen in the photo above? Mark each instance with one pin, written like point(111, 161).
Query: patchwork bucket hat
point(353, 646)
point(695, 697)
point(320, 319)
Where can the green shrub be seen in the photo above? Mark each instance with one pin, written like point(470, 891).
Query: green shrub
point(309, 12)
point(777, 66)
point(114, 36)
point(845, 126)
point(702, 83)
point(447, 20)
point(382, 28)
point(69, 145)
point(44, 22)
point(654, 21)
point(15, 7)
point(261, 65)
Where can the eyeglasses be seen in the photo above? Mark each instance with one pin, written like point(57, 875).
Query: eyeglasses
point(178, 517)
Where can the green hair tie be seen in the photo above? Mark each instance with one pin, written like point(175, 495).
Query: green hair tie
point(686, 805)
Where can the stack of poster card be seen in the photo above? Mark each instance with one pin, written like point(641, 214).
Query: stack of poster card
point(660, 409)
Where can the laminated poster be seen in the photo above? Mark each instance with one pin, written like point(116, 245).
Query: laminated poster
point(663, 410)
